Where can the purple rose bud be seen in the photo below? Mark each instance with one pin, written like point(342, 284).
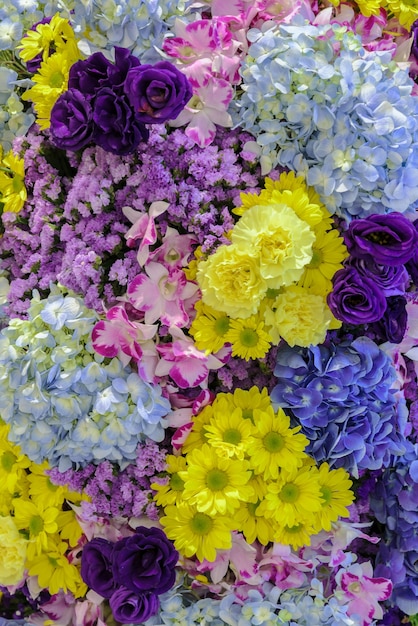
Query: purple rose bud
point(124, 61)
point(355, 299)
point(388, 239)
point(392, 279)
point(392, 326)
point(131, 608)
point(71, 121)
point(90, 75)
point(157, 92)
point(116, 129)
point(145, 561)
point(96, 566)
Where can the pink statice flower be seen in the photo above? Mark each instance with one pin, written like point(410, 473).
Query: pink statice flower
point(362, 592)
point(162, 294)
point(184, 363)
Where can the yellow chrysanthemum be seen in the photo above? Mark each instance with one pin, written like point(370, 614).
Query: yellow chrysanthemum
point(328, 253)
point(230, 433)
point(209, 328)
point(231, 282)
point(336, 494)
point(50, 82)
point(249, 400)
point(42, 489)
point(46, 39)
point(13, 192)
point(13, 464)
point(13, 552)
point(197, 533)
point(275, 444)
point(197, 436)
point(294, 499)
point(172, 491)
point(37, 521)
point(55, 572)
point(280, 240)
point(406, 11)
point(300, 317)
point(248, 338)
point(215, 484)
point(69, 528)
point(254, 527)
point(296, 536)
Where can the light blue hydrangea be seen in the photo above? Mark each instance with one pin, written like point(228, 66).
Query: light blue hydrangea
point(345, 120)
point(14, 120)
point(64, 402)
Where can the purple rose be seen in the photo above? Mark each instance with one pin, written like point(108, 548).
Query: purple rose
point(90, 75)
point(71, 121)
point(96, 566)
point(392, 326)
point(392, 279)
point(414, 33)
point(132, 608)
point(388, 239)
point(157, 92)
point(116, 129)
point(355, 299)
point(124, 61)
point(145, 561)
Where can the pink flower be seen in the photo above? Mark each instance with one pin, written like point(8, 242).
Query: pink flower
point(284, 568)
point(162, 294)
point(184, 363)
point(362, 592)
point(174, 250)
point(207, 108)
point(143, 228)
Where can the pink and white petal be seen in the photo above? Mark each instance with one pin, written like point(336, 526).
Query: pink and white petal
point(189, 373)
point(216, 94)
point(201, 130)
point(106, 339)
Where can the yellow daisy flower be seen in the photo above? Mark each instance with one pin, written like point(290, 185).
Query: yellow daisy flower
point(45, 39)
point(295, 498)
point(55, 572)
point(209, 328)
point(336, 494)
point(275, 444)
point(215, 484)
point(13, 192)
point(328, 253)
point(406, 11)
point(42, 489)
point(230, 433)
point(297, 535)
point(38, 521)
point(254, 527)
point(69, 528)
point(13, 464)
point(197, 436)
point(172, 492)
point(249, 400)
point(197, 533)
point(248, 338)
point(50, 82)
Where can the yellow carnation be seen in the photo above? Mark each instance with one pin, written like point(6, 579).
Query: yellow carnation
point(231, 282)
point(300, 317)
point(12, 551)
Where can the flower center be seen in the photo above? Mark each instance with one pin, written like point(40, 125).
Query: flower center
point(316, 260)
point(232, 435)
point(56, 79)
point(8, 460)
point(293, 530)
point(216, 479)
point(326, 493)
point(36, 525)
point(289, 493)
point(201, 524)
point(273, 442)
point(175, 482)
point(221, 326)
point(354, 587)
point(248, 337)
point(247, 414)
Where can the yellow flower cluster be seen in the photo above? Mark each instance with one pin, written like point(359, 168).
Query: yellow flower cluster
point(57, 44)
point(244, 469)
point(12, 182)
point(405, 11)
point(38, 527)
point(271, 283)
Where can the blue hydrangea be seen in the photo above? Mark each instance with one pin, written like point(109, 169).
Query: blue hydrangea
point(342, 396)
point(64, 402)
point(345, 120)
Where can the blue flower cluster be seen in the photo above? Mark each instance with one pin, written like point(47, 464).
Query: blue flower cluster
point(318, 103)
point(342, 397)
point(64, 402)
point(394, 503)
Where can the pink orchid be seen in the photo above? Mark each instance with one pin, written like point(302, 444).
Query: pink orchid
point(143, 228)
point(363, 592)
point(207, 108)
point(175, 249)
point(88, 614)
point(241, 558)
point(118, 336)
point(162, 294)
point(284, 568)
point(184, 363)
point(59, 609)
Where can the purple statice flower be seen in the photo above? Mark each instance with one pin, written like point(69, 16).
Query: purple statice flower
point(343, 397)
